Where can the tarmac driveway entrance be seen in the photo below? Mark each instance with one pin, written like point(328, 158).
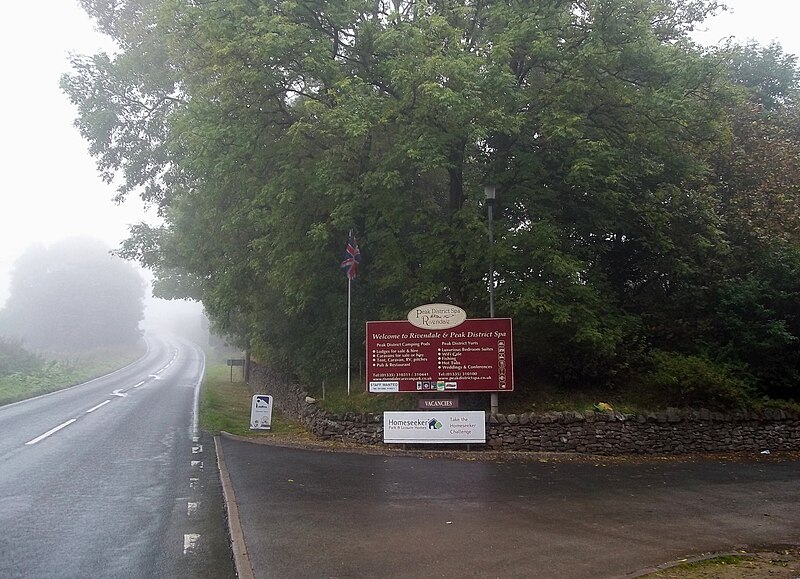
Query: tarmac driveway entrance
point(307, 513)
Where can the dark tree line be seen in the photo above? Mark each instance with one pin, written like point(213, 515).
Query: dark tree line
point(646, 227)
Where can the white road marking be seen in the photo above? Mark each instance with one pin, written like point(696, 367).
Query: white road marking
point(191, 508)
point(139, 384)
point(197, 449)
point(51, 432)
point(190, 543)
point(197, 464)
point(119, 393)
point(98, 406)
point(194, 482)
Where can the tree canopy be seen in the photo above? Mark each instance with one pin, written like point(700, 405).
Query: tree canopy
point(73, 296)
point(644, 213)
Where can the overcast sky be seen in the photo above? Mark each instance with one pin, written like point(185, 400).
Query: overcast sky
point(50, 187)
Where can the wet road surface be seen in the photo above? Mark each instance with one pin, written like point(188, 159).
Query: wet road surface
point(307, 513)
point(112, 478)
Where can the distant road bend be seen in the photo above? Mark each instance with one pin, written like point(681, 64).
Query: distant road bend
point(112, 478)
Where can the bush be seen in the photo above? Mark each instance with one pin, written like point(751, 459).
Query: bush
point(676, 379)
point(14, 359)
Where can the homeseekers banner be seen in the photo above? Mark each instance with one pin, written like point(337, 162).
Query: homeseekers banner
point(437, 426)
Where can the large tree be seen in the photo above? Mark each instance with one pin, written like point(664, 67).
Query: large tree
point(72, 296)
point(264, 130)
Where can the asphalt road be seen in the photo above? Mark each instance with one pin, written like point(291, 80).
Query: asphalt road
point(112, 478)
point(320, 514)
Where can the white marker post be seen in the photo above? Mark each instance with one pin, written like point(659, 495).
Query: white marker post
point(261, 412)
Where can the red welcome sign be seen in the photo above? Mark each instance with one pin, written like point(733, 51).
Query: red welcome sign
point(474, 356)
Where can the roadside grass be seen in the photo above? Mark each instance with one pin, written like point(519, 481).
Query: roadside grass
point(338, 401)
point(59, 374)
point(225, 405)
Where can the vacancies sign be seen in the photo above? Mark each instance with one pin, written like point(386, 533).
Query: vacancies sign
point(474, 356)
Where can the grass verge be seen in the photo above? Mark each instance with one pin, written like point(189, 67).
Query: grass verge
point(57, 375)
point(225, 405)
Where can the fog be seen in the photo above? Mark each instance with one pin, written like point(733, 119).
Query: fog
point(178, 317)
point(73, 295)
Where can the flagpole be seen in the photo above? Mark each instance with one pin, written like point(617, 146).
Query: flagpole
point(349, 281)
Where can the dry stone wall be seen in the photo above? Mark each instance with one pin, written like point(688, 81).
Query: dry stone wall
point(674, 431)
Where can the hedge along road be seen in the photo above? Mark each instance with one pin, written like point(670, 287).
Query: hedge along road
point(307, 513)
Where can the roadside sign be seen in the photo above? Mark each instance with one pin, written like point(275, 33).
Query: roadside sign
point(236, 362)
point(261, 412)
point(434, 426)
point(475, 356)
point(437, 403)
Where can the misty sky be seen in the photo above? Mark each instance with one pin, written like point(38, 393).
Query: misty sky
point(50, 188)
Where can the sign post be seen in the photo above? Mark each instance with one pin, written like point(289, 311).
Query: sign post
point(236, 362)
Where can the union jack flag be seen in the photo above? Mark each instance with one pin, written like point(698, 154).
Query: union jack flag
point(352, 257)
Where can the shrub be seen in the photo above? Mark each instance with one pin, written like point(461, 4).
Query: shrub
point(15, 359)
point(684, 380)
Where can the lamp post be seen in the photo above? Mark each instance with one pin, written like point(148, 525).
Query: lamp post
point(489, 192)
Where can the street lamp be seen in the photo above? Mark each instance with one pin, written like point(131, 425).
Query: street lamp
point(489, 192)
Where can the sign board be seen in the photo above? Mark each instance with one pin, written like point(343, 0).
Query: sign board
point(261, 412)
point(437, 403)
point(235, 362)
point(475, 356)
point(437, 316)
point(434, 426)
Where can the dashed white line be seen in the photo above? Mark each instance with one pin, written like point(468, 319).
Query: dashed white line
point(190, 543)
point(50, 432)
point(98, 406)
point(191, 508)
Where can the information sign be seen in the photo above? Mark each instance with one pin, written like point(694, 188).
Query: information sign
point(439, 403)
point(435, 426)
point(475, 356)
point(261, 412)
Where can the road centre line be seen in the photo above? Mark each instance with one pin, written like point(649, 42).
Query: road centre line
point(98, 406)
point(50, 432)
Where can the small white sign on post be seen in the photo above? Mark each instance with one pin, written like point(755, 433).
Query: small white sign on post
point(434, 426)
point(261, 412)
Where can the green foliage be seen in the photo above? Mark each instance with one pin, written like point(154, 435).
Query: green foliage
point(339, 402)
point(51, 375)
point(769, 75)
point(638, 182)
point(680, 380)
point(14, 359)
